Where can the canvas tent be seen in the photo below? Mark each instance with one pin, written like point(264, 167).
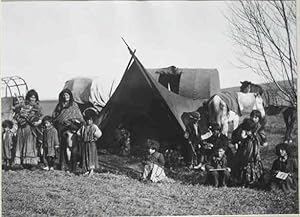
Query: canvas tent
point(146, 108)
point(194, 83)
point(89, 91)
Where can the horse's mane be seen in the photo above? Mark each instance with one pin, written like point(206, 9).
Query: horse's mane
point(254, 88)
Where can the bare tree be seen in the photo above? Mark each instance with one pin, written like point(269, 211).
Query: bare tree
point(265, 32)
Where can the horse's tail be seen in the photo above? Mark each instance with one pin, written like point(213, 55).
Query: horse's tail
point(214, 109)
point(210, 109)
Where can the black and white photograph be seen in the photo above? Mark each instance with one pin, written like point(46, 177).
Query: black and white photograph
point(149, 108)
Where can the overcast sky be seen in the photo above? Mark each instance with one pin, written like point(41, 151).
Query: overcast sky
point(48, 43)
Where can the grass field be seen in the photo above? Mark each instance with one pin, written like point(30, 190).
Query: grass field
point(40, 193)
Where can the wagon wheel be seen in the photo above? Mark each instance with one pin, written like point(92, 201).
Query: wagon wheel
point(90, 111)
point(13, 86)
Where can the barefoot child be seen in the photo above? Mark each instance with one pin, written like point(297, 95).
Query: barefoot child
point(50, 143)
point(284, 170)
point(153, 169)
point(7, 142)
point(89, 134)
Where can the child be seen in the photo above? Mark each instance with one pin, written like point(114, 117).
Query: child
point(123, 137)
point(154, 164)
point(255, 115)
point(7, 142)
point(284, 170)
point(173, 157)
point(89, 134)
point(18, 103)
point(50, 143)
point(217, 170)
point(210, 145)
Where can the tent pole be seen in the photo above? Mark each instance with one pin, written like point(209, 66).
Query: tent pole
point(130, 51)
point(139, 63)
point(132, 56)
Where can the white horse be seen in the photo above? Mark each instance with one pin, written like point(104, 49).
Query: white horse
point(221, 112)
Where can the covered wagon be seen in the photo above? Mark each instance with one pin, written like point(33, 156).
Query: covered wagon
point(89, 92)
point(13, 90)
point(193, 83)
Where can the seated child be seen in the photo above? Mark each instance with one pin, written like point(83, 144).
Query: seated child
point(88, 135)
point(7, 142)
point(218, 173)
point(210, 144)
point(122, 136)
point(50, 143)
point(174, 158)
point(154, 165)
point(284, 170)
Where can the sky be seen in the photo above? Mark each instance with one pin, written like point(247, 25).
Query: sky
point(48, 43)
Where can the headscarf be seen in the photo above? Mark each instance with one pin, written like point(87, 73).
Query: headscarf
point(65, 114)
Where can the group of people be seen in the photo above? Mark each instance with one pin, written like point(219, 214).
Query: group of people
point(68, 138)
point(238, 161)
point(63, 140)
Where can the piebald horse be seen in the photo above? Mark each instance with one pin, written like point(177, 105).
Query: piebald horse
point(221, 112)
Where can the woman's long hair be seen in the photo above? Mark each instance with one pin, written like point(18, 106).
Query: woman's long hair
point(30, 93)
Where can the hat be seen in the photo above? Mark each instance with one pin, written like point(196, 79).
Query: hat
point(195, 115)
point(152, 144)
point(215, 126)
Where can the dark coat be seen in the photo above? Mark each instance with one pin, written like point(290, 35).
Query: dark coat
point(218, 141)
point(194, 138)
point(156, 158)
point(258, 132)
point(289, 166)
point(217, 163)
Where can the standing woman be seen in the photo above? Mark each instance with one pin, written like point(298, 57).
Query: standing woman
point(248, 167)
point(66, 118)
point(29, 134)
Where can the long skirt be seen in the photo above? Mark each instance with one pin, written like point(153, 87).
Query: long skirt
point(89, 156)
point(155, 172)
point(252, 173)
point(287, 185)
point(26, 148)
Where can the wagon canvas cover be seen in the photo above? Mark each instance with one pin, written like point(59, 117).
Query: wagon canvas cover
point(89, 90)
point(194, 83)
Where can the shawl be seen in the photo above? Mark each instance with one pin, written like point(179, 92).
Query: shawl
point(28, 113)
point(67, 114)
